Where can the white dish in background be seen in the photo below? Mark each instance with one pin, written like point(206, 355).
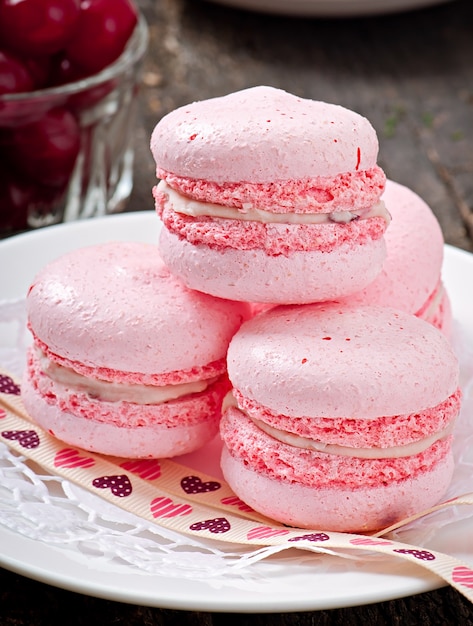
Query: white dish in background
point(329, 8)
point(289, 581)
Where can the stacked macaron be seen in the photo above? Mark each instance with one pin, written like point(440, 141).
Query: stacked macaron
point(341, 417)
point(344, 398)
point(268, 197)
point(126, 360)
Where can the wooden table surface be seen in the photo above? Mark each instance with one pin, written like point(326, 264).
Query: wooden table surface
point(411, 75)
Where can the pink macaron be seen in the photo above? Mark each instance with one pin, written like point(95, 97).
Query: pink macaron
point(125, 359)
point(411, 276)
point(340, 418)
point(268, 197)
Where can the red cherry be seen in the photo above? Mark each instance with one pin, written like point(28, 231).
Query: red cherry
point(14, 76)
point(46, 150)
point(103, 29)
point(31, 27)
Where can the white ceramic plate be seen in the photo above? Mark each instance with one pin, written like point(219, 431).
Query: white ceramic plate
point(329, 8)
point(285, 583)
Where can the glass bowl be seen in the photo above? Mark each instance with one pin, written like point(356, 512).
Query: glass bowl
point(68, 150)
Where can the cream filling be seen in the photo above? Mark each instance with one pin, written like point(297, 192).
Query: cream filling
point(116, 392)
point(395, 452)
point(194, 208)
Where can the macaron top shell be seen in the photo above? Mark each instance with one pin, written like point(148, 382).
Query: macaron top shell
point(326, 360)
point(260, 135)
point(117, 306)
point(414, 244)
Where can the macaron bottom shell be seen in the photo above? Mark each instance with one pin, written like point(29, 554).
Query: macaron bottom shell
point(336, 509)
point(156, 440)
point(254, 276)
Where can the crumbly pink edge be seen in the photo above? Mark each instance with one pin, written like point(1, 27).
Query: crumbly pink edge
point(274, 239)
point(187, 410)
point(312, 195)
point(384, 432)
point(268, 456)
point(204, 372)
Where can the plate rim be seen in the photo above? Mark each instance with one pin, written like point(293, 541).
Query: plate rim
point(78, 576)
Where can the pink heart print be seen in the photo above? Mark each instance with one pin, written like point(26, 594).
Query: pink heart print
point(8, 385)
point(193, 485)
point(119, 485)
point(216, 525)
point(148, 469)
point(311, 537)
point(263, 532)
point(68, 457)
point(165, 507)
point(463, 576)
point(28, 439)
point(235, 501)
